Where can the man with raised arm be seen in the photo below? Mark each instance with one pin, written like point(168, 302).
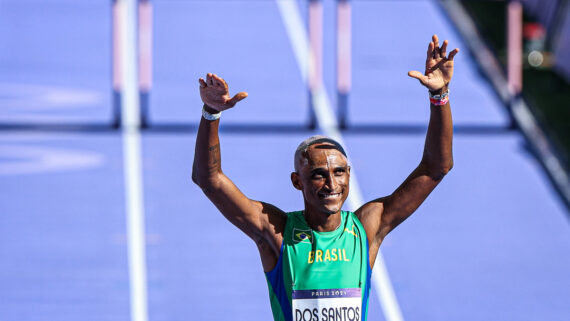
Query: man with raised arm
point(318, 261)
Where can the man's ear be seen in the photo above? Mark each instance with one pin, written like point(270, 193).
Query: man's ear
point(296, 180)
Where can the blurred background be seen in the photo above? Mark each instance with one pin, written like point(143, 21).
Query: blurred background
point(99, 107)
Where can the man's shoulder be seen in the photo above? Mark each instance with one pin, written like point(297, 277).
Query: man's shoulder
point(352, 216)
point(295, 219)
point(294, 213)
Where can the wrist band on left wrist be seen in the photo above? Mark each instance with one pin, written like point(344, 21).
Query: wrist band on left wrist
point(210, 116)
point(439, 100)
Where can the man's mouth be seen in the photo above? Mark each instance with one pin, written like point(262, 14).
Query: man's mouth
point(329, 196)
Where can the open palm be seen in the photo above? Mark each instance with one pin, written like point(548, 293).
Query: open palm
point(439, 68)
point(215, 93)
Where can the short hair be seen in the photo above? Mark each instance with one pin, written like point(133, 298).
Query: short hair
point(313, 140)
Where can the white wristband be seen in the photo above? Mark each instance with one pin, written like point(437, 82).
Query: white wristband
point(209, 116)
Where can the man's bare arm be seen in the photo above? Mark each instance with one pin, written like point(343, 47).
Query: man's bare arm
point(252, 217)
point(382, 215)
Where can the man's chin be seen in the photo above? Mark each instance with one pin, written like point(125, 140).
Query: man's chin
point(331, 210)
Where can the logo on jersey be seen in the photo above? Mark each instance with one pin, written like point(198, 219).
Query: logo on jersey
point(351, 231)
point(302, 236)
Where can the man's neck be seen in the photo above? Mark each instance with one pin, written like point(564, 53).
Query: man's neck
point(322, 222)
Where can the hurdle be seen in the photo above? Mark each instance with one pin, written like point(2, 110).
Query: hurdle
point(514, 47)
point(117, 84)
point(343, 59)
point(343, 53)
point(315, 65)
point(144, 57)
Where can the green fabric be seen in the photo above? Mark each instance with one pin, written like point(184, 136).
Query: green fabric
point(312, 260)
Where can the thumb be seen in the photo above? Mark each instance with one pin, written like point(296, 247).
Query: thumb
point(237, 97)
point(416, 74)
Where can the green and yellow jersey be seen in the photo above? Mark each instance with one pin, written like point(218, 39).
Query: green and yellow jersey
point(321, 276)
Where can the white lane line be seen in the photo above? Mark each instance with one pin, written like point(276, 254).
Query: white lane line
point(26, 159)
point(135, 225)
point(328, 124)
point(132, 162)
point(297, 34)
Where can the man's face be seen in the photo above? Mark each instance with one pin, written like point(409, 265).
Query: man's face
point(323, 175)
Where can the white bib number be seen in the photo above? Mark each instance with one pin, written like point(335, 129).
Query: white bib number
point(327, 305)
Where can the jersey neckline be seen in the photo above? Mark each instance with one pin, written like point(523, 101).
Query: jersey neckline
point(334, 232)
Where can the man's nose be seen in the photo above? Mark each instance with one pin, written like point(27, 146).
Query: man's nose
point(331, 182)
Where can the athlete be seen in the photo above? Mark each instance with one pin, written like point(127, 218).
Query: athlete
point(318, 261)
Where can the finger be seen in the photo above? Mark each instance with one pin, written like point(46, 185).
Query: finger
point(209, 80)
point(217, 80)
point(430, 51)
point(435, 67)
point(452, 54)
point(202, 83)
point(444, 48)
point(237, 97)
point(436, 46)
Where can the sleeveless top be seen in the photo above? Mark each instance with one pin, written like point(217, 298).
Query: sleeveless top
point(322, 276)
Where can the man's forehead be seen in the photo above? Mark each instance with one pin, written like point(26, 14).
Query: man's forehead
point(323, 153)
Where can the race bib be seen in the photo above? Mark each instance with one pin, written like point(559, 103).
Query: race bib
point(327, 305)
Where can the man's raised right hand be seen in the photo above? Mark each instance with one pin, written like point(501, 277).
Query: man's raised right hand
point(215, 93)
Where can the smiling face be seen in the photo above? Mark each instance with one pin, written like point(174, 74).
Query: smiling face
point(322, 174)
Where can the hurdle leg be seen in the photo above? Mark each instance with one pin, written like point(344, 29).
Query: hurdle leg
point(315, 73)
point(343, 59)
point(116, 65)
point(145, 58)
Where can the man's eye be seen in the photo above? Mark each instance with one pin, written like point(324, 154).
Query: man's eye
point(340, 171)
point(318, 175)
